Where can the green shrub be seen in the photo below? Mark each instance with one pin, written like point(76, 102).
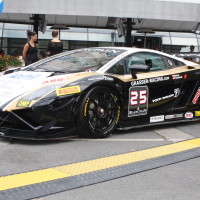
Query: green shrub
point(9, 61)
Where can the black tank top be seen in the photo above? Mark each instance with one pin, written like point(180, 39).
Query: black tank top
point(54, 47)
point(31, 55)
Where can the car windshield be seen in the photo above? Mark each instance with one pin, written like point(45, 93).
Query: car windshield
point(78, 61)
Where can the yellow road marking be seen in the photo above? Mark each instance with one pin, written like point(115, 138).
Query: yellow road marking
point(113, 161)
point(19, 180)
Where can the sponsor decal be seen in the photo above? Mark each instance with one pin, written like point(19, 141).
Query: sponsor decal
point(189, 115)
point(137, 112)
point(85, 107)
point(174, 116)
point(91, 79)
point(185, 76)
point(197, 113)
point(150, 80)
point(108, 78)
point(68, 90)
point(162, 98)
point(176, 76)
point(159, 118)
point(138, 101)
point(53, 81)
point(23, 103)
point(196, 97)
point(140, 82)
point(169, 116)
point(18, 83)
point(24, 77)
point(176, 92)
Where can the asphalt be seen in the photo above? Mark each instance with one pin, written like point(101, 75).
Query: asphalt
point(177, 181)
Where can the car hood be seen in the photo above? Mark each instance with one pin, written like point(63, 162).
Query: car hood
point(15, 86)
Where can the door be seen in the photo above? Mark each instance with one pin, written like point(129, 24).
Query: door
point(153, 94)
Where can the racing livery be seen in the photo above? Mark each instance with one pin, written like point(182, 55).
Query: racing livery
point(93, 91)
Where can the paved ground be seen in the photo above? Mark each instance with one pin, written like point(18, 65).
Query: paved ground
point(178, 181)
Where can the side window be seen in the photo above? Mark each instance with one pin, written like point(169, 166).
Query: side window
point(154, 61)
point(117, 68)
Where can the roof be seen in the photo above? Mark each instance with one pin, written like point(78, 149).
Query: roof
point(159, 15)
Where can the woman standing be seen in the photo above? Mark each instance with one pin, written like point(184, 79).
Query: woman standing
point(55, 46)
point(30, 52)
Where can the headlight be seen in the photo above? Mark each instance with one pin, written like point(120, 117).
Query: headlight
point(51, 91)
point(42, 92)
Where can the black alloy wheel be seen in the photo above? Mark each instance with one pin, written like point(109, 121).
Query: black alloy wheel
point(99, 113)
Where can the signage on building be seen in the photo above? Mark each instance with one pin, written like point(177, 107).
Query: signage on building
point(1, 5)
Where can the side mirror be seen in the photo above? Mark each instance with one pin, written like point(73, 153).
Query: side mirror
point(138, 68)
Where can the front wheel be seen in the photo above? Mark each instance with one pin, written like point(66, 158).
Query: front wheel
point(99, 112)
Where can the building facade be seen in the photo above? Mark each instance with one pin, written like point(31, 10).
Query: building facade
point(14, 36)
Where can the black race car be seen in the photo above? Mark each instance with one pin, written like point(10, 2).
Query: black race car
point(96, 90)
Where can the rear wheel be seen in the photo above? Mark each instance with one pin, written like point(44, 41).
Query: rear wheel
point(99, 113)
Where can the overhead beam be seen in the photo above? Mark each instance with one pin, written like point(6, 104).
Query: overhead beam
point(187, 10)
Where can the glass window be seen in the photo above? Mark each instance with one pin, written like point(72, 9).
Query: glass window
point(17, 26)
point(178, 63)
point(184, 41)
point(105, 44)
point(107, 31)
point(117, 68)
point(167, 48)
point(15, 46)
point(78, 61)
point(172, 63)
point(166, 41)
point(178, 34)
point(82, 44)
point(99, 37)
point(154, 61)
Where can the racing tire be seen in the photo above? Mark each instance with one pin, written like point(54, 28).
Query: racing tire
point(99, 113)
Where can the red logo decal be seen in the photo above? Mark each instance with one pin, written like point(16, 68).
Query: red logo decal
point(53, 81)
point(189, 115)
point(185, 76)
point(196, 97)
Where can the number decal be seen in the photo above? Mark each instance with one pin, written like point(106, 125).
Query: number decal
point(138, 101)
point(134, 97)
point(142, 97)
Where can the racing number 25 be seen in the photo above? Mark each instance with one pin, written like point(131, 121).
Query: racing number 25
point(138, 97)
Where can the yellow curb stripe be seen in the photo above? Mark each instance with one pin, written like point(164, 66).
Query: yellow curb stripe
point(19, 180)
point(24, 179)
point(113, 161)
